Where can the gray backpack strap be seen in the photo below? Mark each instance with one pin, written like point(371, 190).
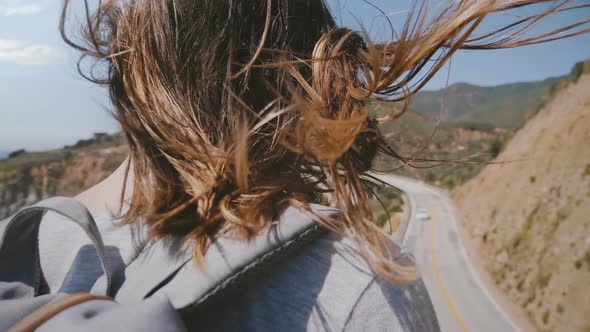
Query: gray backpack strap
point(227, 263)
point(158, 271)
point(157, 262)
point(19, 250)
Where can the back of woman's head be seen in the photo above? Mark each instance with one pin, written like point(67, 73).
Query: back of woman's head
point(235, 110)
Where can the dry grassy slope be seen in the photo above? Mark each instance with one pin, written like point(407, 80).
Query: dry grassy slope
point(64, 177)
point(530, 219)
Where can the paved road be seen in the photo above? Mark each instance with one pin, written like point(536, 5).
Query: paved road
point(460, 302)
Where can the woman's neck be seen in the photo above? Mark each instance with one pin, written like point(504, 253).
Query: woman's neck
point(107, 194)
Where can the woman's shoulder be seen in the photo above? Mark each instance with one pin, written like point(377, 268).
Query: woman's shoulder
point(358, 298)
point(325, 285)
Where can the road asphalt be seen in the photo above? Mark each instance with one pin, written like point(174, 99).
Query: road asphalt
point(460, 300)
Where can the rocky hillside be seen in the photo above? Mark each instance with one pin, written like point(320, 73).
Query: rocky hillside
point(26, 178)
point(458, 150)
point(529, 217)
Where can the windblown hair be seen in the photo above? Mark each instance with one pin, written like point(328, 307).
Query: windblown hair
point(235, 110)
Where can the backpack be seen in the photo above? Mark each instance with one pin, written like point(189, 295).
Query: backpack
point(162, 287)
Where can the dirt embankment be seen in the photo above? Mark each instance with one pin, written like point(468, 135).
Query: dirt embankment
point(529, 219)
point(63, 177)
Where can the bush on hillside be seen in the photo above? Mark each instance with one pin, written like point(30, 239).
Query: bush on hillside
point(476, 126)
point(16, 153)
point(97, 138)
point(577, 71)
point(496, 147)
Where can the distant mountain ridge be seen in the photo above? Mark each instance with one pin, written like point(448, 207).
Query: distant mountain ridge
point(503, 106)
point(506, 106)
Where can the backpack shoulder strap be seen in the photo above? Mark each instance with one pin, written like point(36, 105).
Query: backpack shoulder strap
point(231, 263)
point(227, 263)
point(19, 250)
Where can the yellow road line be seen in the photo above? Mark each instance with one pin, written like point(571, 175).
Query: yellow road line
point(441, 284)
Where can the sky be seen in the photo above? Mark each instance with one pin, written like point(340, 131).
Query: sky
point(45, 104)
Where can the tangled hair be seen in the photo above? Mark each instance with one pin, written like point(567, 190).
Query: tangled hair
point(235, 110)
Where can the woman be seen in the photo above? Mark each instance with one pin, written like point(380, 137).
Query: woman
point(238, 113)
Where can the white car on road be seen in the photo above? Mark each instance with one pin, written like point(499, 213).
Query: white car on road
point(422, 214)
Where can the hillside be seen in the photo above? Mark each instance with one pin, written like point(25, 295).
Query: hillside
point(29, 177)
point(528, 219)
point(459, 149)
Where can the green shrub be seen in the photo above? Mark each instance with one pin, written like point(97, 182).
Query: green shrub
point(16, 153)
point(381, 220)
point(495, 147)
point(389, 193)
point(577, 71)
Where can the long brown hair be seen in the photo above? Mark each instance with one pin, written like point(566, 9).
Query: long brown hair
point(235, 110)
